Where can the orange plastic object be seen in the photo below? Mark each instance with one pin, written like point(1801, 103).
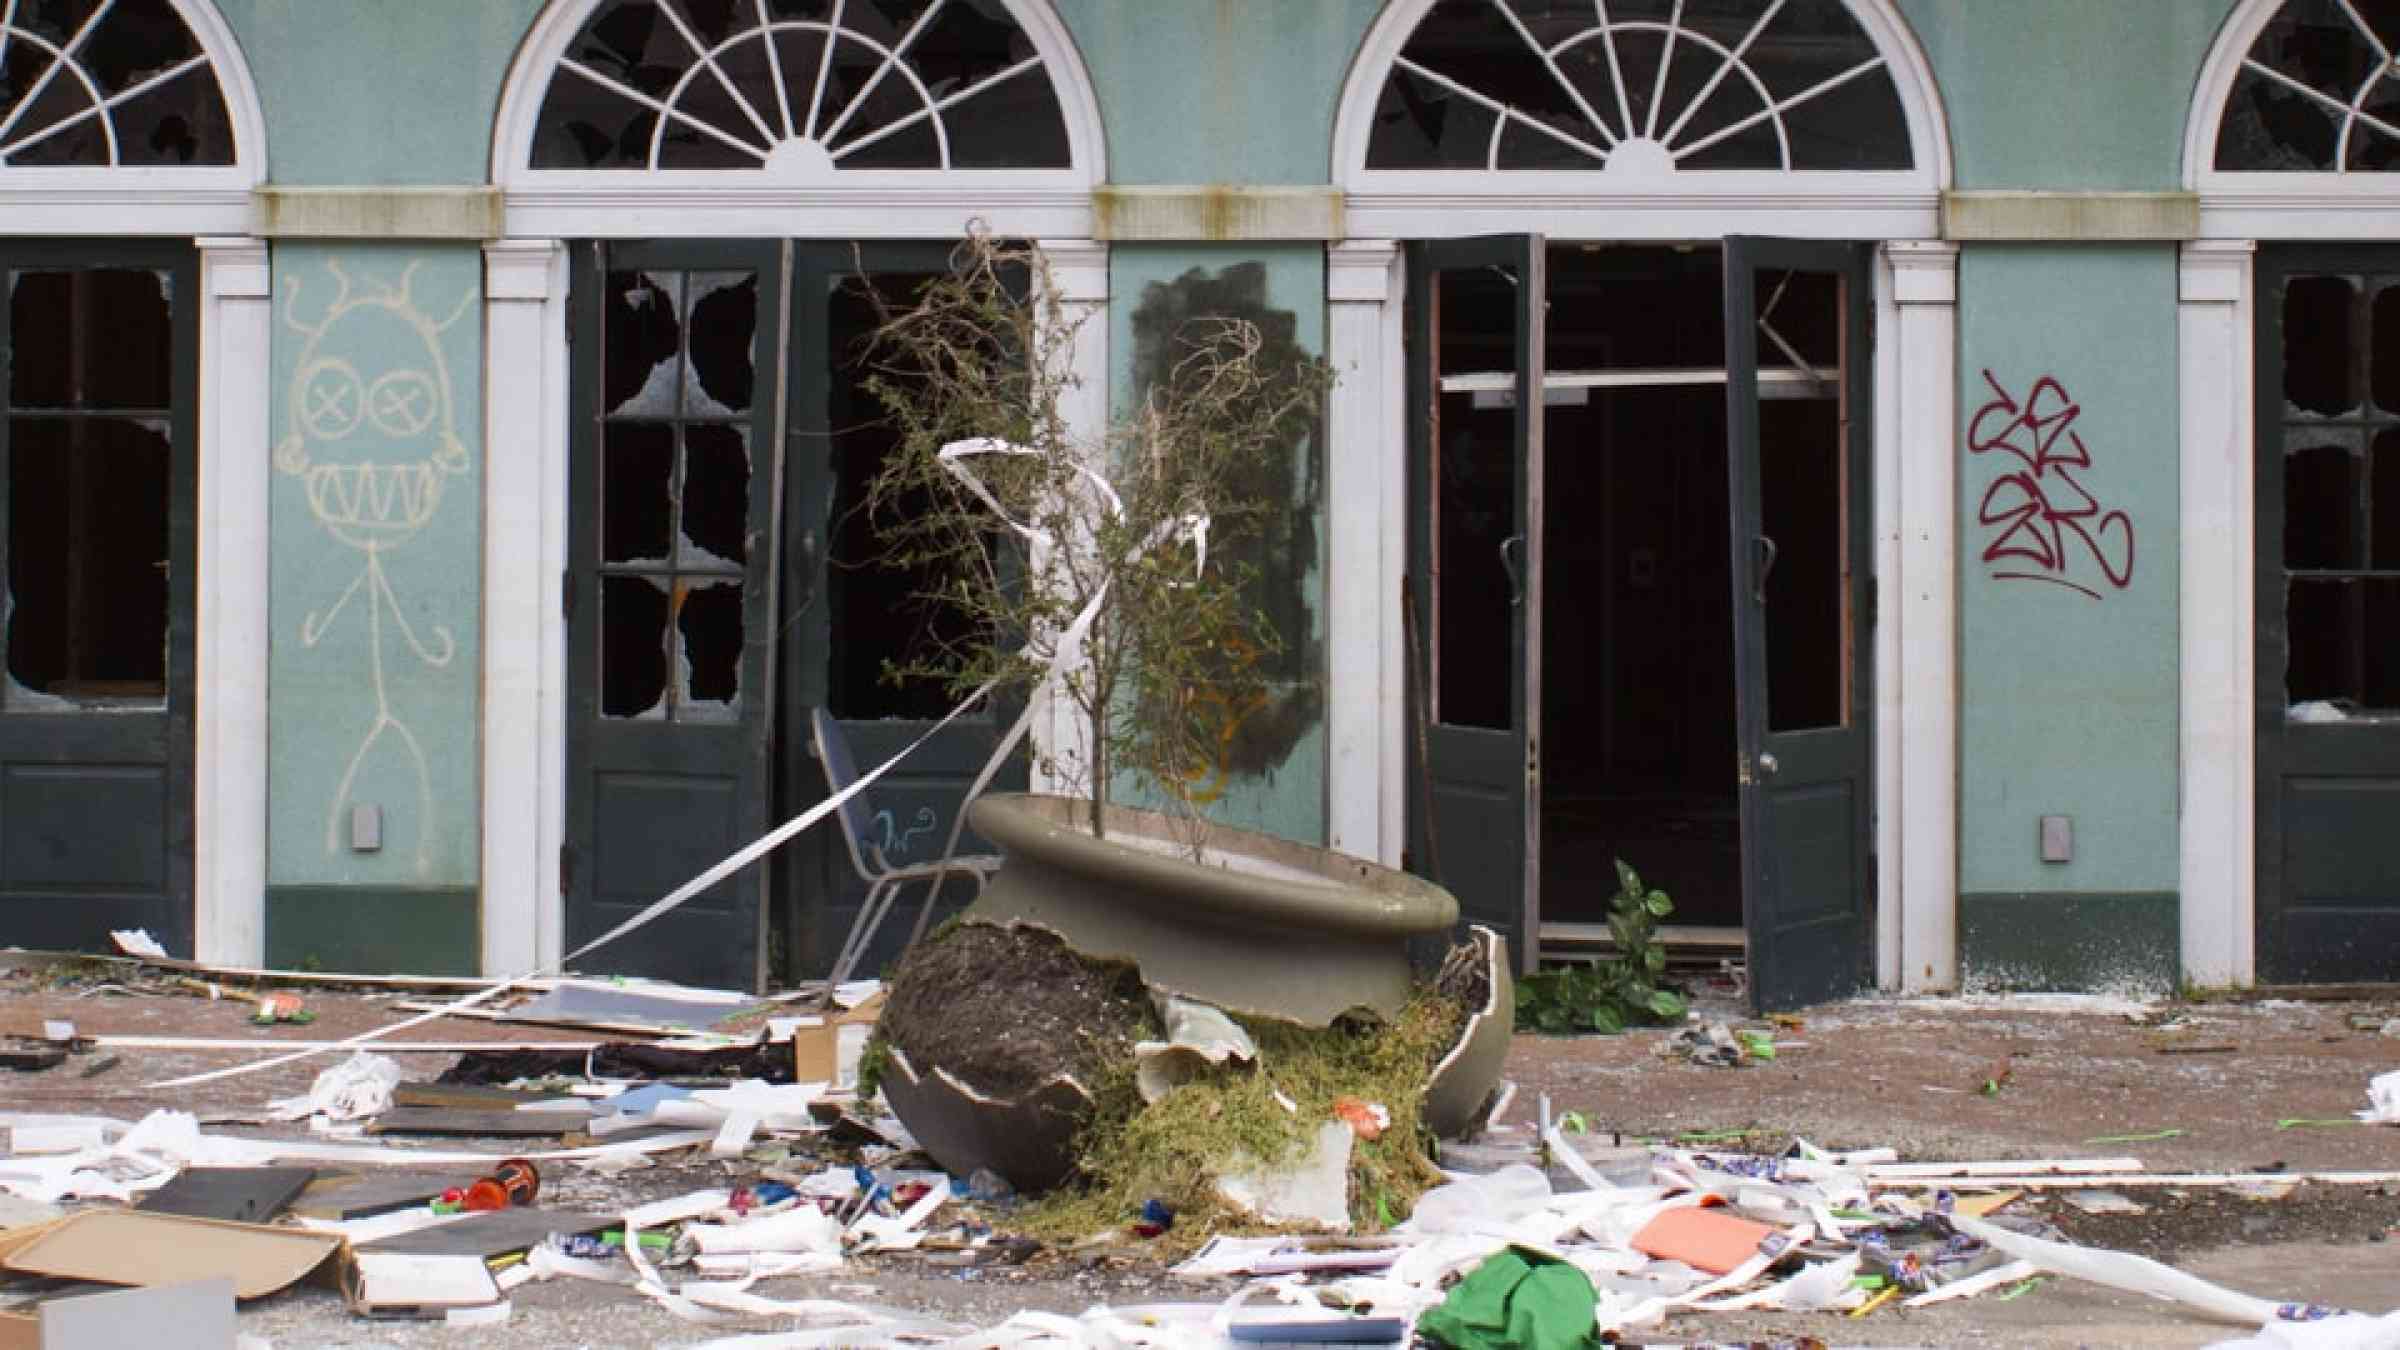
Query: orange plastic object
point(1704, 1239)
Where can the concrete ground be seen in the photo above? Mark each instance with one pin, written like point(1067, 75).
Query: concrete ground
point(2067, 1074)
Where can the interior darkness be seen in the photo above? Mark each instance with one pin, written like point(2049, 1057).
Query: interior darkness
point(2341, 490)
point(1638, 710)
point(882, 609)
point(88, 483)
point(1637, 675)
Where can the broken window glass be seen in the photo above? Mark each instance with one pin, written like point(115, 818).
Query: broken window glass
point(2341, 497)
point(678, 364)
point(2315, 93)
point(108, 82)
point(908, 84)
point(1654, 85)
point(89, 465)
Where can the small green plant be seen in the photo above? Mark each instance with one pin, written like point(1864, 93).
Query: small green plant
point(1609, 996)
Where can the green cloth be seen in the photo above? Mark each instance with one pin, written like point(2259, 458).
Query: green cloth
point(1516, 1300)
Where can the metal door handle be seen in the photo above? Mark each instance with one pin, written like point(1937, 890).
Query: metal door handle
point(1508, 564)
point(1766, 567)
point(1767, 765)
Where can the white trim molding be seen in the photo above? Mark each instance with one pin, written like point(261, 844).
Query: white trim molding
point(212, 200)
point(2269, 205)
point(1079, 277)
point(1366, 509)
point(229, 778)
point(2219, 742)
point(880, 204)
point(1696, 204)
point(1916, 474)
point(524, 622)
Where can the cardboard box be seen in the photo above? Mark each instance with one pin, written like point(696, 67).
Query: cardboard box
point(826, 1049)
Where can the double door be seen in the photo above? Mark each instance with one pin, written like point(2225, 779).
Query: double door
point(725, 581)
point(1795, 453)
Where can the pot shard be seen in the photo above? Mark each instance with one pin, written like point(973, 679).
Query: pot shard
point(1458, 1095)
point(1261, 925)
point(1026, 1139)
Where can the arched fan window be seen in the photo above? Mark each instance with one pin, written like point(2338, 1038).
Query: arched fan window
point(107, 83)
point(805, 88)
point(2316, 92)
point(1644, 86)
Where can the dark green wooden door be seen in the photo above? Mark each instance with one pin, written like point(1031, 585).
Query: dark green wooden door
point(1476, 317)
point(1796, 414)
point(726, 583)
point(670, 600)
point(98, 464)
point(849, 610)
point(2328, 609)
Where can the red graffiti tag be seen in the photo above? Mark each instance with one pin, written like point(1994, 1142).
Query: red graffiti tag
point(2037, 507)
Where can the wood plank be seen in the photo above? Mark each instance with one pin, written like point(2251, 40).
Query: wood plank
point(499, 1124)
point(354, 1195)
point(235, 1194)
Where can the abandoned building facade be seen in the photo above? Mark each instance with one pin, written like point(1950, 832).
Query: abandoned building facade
point(1906, 475)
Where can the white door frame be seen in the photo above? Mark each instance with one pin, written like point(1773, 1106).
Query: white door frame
point(1915, 455)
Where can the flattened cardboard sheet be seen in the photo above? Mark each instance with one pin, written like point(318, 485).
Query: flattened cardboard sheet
point(134, 1247)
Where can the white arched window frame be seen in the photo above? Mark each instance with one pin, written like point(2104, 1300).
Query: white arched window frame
point(138, 199)
point(2278, 204)
point(794, 195)
point(1685, 204)
point(525, 354)
point(1915, 413)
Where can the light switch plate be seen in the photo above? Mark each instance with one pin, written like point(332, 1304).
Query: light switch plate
point(2058, 839)
point(366, 827)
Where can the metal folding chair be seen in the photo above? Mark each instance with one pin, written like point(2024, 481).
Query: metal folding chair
point(883, 879)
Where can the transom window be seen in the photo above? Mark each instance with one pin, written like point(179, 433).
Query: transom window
point(2316, 92)
point(102, 83)
point(1647, 87)
point(802, 88)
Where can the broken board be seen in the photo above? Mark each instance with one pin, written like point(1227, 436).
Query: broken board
point(235, 1194)
point(479, 1121)
point(490, 1234)
point(123, 1246)
point(360, 1196)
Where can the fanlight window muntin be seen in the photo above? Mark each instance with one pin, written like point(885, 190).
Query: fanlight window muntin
point(1729, 89)
point(109, 85)
point(2315, 93)
point(765, 85)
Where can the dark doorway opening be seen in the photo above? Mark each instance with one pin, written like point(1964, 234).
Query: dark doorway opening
point(1638, 670)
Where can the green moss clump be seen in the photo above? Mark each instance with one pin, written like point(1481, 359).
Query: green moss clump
point(1174, 1150)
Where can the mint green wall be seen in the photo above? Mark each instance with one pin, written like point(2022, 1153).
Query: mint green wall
point(378, 360)
point(1218, 91)
point(379, 91)
point(2067, 704)
point(2067, 94)
point(1290, 800)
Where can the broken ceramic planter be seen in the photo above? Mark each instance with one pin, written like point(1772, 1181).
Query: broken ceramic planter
point(1025, 1139)
point(1459, 1091)
point(1261, 926)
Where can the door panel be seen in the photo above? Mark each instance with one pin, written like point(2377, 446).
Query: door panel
point(849, 612)
point(1800, 564)
point(668, 721)
point(99, 467)
point(1476, 319)
point(2328, 598)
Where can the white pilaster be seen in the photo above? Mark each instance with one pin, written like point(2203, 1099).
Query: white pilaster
point(1918, 710)
point(1366, 510)
point(229, 779)
point(1079, 273)
point(2219, 865)
point(524, 628)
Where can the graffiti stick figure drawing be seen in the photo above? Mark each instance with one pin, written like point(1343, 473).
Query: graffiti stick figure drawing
point(372, 434)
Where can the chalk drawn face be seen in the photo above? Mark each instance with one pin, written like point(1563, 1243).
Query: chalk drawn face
point(370, 427)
